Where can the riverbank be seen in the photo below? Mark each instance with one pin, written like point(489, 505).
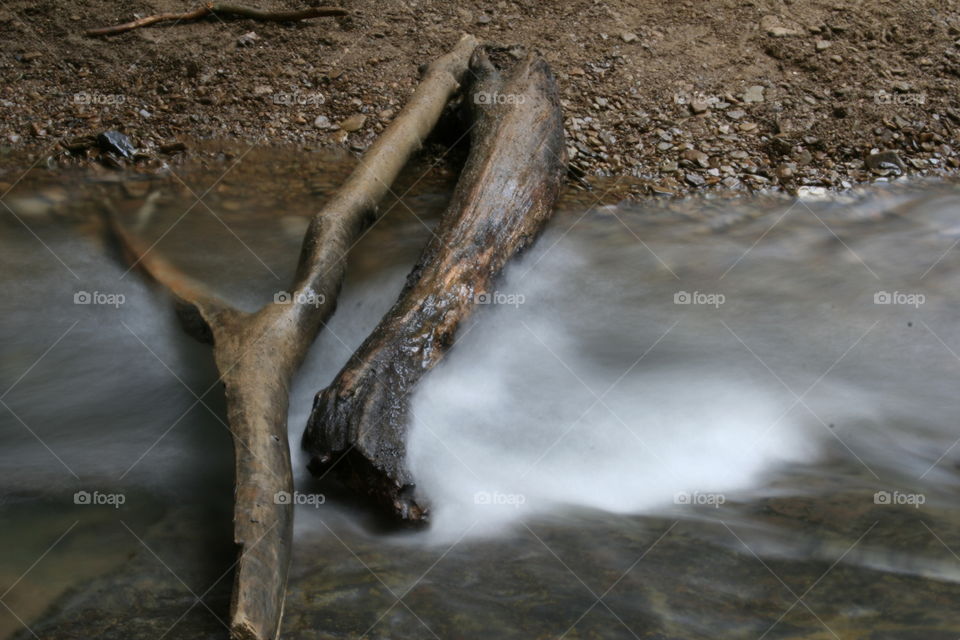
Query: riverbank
point(682, 97)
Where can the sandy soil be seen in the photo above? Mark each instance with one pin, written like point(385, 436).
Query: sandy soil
point(683, 96)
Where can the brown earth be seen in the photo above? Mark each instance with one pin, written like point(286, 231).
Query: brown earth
point(680, 96)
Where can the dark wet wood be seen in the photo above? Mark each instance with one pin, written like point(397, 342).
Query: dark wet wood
point(506, 193)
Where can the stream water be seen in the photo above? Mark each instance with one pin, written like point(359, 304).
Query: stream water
point(718, 418)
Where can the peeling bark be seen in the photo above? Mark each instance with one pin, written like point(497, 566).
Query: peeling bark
point(503, 199)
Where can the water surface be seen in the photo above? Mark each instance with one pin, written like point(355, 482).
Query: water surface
point(716, 418)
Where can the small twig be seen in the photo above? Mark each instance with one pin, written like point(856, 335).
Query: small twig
point(221, 10)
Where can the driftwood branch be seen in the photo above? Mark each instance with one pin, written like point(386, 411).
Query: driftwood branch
point(503, 199)
point(225, 10)
point(257, 354)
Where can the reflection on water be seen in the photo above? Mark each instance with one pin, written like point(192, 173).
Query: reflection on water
point(689, 420)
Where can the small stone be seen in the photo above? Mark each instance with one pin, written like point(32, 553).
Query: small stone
point(116, 142)
point(354, 122)
point(885, 161)
point(753, 94)
point(386, 115)
point(748, 126)
point(736, 114)
point(784, 171)
point(629, 37)
point(699, 106)
point(837, 59)
point(247, 39)
point(783, 32)
point(322, 122)
point(699, 157)
point(823, 45)
point(730, 182)
point(484, 19)
point(695, 179)
point(661, 189)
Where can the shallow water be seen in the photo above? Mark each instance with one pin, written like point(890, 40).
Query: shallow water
point(693, 419)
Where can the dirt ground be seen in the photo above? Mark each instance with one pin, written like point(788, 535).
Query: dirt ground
point(680, 96)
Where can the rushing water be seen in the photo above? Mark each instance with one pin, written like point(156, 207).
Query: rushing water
point(703, 419)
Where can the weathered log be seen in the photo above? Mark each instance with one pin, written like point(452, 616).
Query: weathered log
point(257, 354)
point(504, 197)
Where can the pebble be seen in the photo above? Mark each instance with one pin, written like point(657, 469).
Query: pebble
point(116, 142)
point(823, 45)
point(783, 32)
point(699, 157)
point(629, 37)
point(247, 39)
point(695, 179)
point(322, 122)
point(885, 161)
point(736, 114)
point(698, 106)
point(753, 94)
point(354, 122)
